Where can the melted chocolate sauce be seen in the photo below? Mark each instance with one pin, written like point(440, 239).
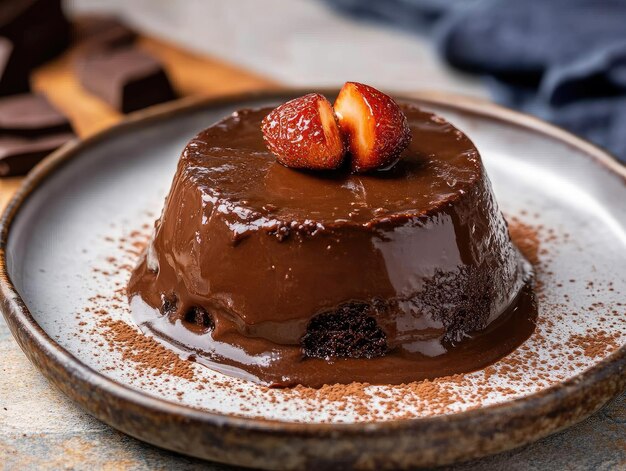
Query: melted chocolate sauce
point(250, 258)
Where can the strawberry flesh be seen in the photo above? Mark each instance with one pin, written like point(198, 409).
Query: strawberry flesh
point(375, 128)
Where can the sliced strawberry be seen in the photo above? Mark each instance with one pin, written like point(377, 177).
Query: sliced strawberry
point(375, 127)
point(303, 133)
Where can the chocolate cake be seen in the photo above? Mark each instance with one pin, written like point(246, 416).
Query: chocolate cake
point(287, 276)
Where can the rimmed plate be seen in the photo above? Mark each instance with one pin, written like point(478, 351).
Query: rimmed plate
point(74, 228)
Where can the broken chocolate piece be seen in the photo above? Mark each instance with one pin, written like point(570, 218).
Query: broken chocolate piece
point(87, 27)
point(19, 155)
point(128, 79)
point(30, 128)
point(13, 77)
point(94, 33)
point(31, 115)
point(38, 30)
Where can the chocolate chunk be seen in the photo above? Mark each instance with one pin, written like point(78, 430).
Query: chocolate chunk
point(100, 32)
point(19, 155)
point(87, 27)
point(31, 115)
point(30, 128)
point(38, 29)
point(128, 79)
point(13, 77)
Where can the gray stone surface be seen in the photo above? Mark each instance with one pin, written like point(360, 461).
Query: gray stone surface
point(41, 429)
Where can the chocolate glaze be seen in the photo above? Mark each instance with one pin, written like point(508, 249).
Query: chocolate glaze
point(255, 268)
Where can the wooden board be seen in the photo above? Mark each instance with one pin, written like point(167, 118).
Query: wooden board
point(192, 75)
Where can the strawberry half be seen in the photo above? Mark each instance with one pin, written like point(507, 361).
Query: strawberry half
point(303, 133)
point(375, 127)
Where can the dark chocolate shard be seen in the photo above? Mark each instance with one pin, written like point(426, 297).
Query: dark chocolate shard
point(348, 332)
point(95, 32)
point(89, 26)
point(31, 115)
point(38, 30)
point(128, 79)
point(13, 76)
point(19, 155)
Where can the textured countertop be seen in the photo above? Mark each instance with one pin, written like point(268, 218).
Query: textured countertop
point(39, 427)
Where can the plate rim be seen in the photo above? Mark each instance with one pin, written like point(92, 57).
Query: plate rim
point(607, 378)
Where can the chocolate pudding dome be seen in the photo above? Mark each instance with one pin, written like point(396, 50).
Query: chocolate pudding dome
point(315, 244)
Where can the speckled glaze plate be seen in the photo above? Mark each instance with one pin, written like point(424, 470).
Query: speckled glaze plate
point(75, 229)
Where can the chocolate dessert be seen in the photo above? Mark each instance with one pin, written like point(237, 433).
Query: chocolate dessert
point(295, 276)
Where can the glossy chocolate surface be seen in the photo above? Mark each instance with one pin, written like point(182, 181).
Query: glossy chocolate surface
point(262, 250)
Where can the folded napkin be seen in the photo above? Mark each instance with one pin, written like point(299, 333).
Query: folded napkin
point(562, 60)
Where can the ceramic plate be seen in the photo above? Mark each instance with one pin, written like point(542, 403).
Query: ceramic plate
point(76, 227)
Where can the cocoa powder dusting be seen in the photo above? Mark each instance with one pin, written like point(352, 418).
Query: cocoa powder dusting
point(595, 344)
point(526, 239)
point(151, 357)
point(524, 368)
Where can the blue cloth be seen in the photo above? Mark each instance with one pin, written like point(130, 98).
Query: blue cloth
point(562, 60)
